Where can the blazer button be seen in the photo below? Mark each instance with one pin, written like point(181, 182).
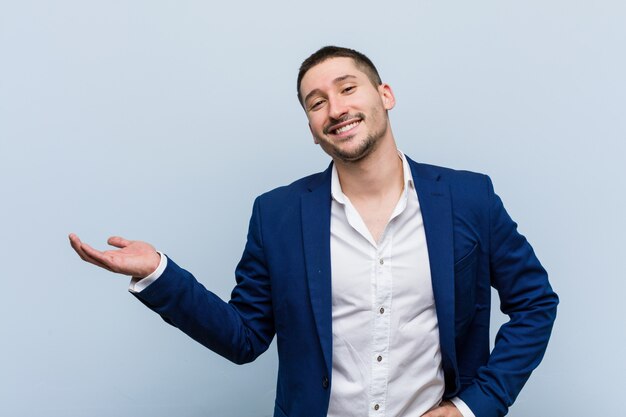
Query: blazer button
point(325, 382)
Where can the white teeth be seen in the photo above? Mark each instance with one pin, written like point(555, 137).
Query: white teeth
point(346, 127)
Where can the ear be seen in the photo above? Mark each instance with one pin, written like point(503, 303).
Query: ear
point(315, 140)
point(386, 94)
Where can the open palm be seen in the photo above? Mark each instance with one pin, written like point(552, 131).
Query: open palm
point(134, 257)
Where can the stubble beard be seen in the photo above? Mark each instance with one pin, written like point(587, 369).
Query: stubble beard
point(363, 149)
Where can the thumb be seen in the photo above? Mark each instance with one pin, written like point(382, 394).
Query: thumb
point(118, 242)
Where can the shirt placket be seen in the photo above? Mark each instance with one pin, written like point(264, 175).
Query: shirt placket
point(381, 310)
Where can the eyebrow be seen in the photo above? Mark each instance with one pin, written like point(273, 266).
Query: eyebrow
point(335, 81)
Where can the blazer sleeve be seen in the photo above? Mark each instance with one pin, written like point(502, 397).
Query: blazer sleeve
point(528, 299)
point(241, 329)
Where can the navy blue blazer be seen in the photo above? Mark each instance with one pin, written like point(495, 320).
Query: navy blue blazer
point(284, 289)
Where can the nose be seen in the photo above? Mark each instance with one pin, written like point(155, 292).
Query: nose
point(337, 107)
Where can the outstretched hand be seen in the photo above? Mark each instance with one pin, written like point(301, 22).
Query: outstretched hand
point(135, 258)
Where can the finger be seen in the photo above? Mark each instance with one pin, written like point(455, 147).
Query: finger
point(118, 242)
point(96, 257)
point(85, 257)
point(93, 253)
point(77, 245)
point(74, 240)
point(95, 262)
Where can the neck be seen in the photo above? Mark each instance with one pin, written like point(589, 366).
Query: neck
point(377, 175)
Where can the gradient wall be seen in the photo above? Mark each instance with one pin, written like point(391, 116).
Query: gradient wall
point(162, 120)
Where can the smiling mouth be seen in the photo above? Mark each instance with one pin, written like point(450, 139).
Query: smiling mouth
point(342, 128)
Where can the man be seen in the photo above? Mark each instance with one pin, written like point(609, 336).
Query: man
point(374, 275)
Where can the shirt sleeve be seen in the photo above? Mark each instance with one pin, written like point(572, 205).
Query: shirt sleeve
point(462, 407)
point(139, 284)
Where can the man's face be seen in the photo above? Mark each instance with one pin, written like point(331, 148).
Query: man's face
point(347, 113)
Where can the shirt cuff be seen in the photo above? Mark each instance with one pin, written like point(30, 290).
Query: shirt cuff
point(462, 407)
point(139, 284)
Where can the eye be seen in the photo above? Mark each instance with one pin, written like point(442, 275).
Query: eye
point(349, 89)
point(316, 104)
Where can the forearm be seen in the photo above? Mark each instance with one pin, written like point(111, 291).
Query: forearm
point(186, 304)
point(528, 299)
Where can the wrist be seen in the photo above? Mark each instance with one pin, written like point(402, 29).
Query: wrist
point(151, 267)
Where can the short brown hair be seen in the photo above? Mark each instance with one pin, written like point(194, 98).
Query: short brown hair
point(327, 52)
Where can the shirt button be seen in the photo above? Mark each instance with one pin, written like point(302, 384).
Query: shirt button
point(379, 358)
point(325, 382)
point(382, 310)
point(381, 261)
point(376, 407)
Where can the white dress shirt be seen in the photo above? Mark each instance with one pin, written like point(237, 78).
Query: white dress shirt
point(386, 352)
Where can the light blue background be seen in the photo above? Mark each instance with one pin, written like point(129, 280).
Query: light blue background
point(162, 120)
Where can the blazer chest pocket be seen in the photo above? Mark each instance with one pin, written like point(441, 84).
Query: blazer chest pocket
point(465, 288)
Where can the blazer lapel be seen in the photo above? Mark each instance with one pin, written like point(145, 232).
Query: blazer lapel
point(316, 237)
point(436, 207)
point(435, 204)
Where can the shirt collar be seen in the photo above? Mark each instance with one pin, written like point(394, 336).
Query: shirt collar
point(337, 193)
